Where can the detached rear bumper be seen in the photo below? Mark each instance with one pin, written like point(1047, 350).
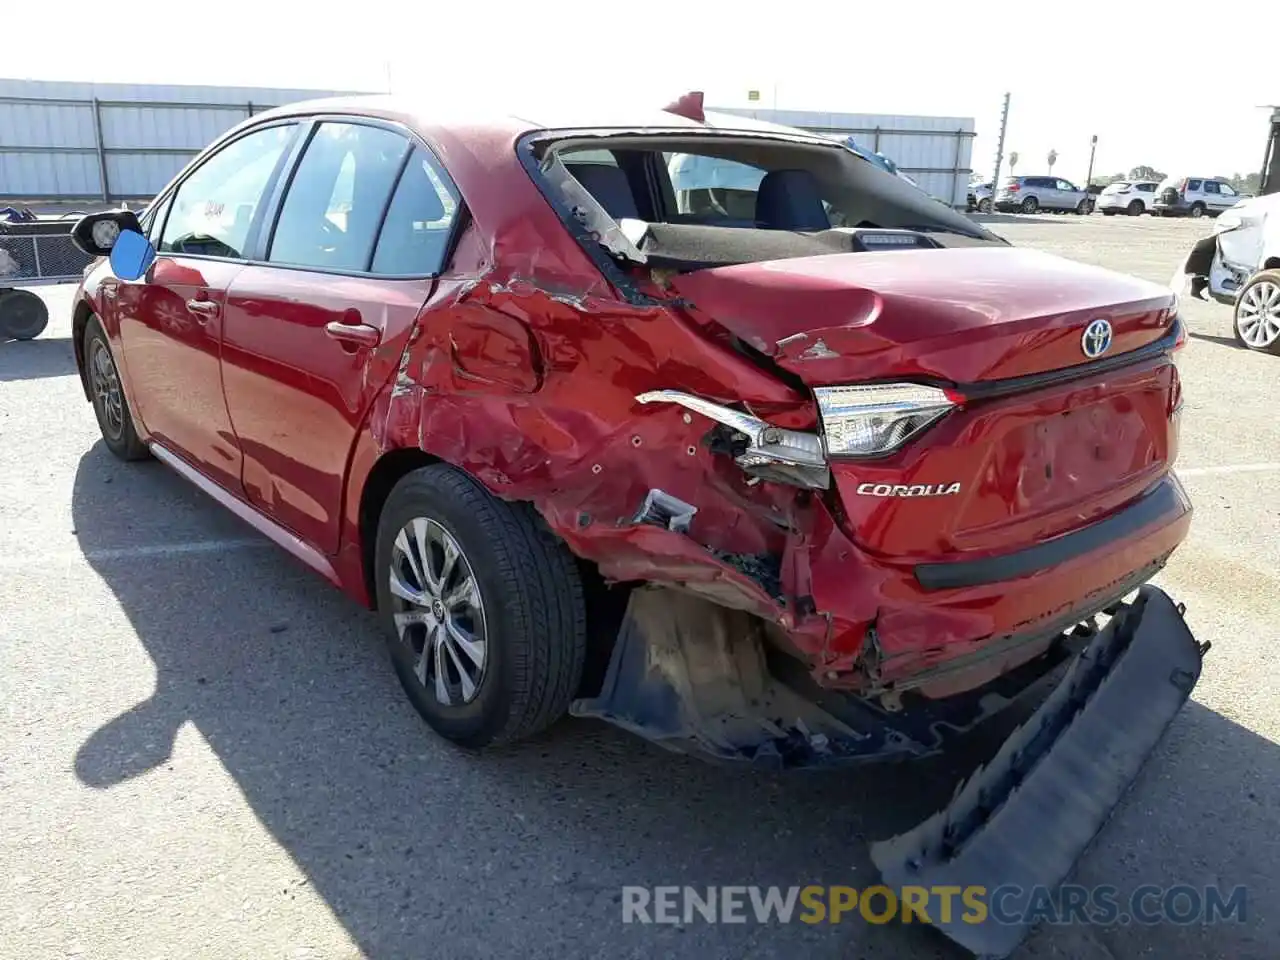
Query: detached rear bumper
point(1021, 821)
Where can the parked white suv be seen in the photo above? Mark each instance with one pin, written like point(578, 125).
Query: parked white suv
point(1193, 197)
point(1127, 196)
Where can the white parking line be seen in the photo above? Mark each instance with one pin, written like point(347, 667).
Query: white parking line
point(23, 561)
point(1228, 468)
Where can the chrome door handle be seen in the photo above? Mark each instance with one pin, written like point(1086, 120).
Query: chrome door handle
point(359, 334)
point(203, 308)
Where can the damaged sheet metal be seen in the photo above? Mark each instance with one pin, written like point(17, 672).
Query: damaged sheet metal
point(1024, 819)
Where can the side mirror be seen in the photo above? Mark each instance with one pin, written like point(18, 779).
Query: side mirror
point(96, 234)
point(131, 255)
point(118, 235)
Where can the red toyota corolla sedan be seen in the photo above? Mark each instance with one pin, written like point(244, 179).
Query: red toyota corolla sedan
point(712, 430)
point(497, 379)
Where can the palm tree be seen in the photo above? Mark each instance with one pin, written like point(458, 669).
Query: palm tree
point(1053, 158)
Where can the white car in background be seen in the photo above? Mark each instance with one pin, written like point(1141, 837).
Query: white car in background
point(1239, 264)
point(1194, 197)
point(1126, 196)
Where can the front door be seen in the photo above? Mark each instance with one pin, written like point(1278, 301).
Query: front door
point(299, 363)
point(171, 319)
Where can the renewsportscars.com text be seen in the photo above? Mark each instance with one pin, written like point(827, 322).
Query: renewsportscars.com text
point(813, 904)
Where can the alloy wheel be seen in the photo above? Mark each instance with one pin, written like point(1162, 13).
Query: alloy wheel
point(438, 611)
point(105, 382)
point(1258, 315)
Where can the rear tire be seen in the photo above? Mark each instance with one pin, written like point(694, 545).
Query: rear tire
point(1256, 319)
point(106, 390)
point(23, 315)
point(1197, 210)
point(1030, 205)
point(528, 614)
point(1135, 208)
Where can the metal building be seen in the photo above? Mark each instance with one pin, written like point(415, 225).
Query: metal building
point(935, 151)
point(110, 142)
point(107, 141)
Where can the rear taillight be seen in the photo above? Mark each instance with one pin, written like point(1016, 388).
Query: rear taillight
point(1013, 188)
point(873, 420)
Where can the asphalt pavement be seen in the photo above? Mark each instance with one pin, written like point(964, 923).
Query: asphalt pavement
point(203, 752)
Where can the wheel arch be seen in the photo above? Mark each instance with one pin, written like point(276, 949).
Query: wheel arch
point(79, 323)
point(387, 470)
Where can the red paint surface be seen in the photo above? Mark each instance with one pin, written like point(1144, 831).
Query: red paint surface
point(521, 363)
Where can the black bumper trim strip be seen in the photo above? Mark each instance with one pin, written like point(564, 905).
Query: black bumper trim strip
point(1160, 500)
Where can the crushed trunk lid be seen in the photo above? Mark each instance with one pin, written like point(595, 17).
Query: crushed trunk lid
point(961, 315)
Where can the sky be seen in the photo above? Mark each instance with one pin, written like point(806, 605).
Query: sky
point(1148, 88)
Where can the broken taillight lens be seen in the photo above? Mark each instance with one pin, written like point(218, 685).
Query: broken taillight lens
point(869, 421)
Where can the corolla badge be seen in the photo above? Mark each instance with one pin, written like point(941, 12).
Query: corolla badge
point(1096, 339)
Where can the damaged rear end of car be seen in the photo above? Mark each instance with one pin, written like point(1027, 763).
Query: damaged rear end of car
point(868, 473)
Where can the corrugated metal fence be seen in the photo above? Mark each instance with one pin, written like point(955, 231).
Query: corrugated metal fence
point(76, 141)
point(936, 152)
point(110, 142)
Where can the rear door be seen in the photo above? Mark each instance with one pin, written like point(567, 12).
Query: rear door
point(362, 229)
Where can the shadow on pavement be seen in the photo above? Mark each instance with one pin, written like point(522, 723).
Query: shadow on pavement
point(523, 852)
point(1222, 341)
point(1024, 218)
point(36, 359)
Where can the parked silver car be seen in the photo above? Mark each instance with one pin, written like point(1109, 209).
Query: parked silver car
point(1030, 194)
point(1194, 197)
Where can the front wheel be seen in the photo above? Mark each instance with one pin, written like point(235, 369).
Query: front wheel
point(1083, 209)
point(482, 608)
point(1030, 205)
point(106, 391)
point(984, 206)
point(1257, 313)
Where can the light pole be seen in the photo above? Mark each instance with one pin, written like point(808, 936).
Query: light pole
point(1093, 145)
point(995, 177)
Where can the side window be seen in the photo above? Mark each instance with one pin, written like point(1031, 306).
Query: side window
point(330, 215)
point(415, 234)
point(1193, 185)
point(1227, 190)
point(1146, 188)
point(213, 209)
point(1211, 186)
point(152, 222)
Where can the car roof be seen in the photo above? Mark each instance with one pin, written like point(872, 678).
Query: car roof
point(504, 117)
